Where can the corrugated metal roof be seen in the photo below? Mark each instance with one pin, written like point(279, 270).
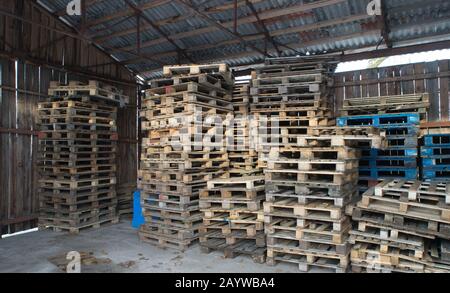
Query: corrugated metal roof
point(295, 30)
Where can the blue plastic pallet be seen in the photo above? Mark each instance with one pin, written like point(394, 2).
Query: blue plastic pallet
point(404, 130)
point(436, 161)
point(390, 152)
point(388, 163)
point(381, 121)
point(402, 141)
point(434, 151)
point(436, 173)
point(437, 140)
point(386, 173)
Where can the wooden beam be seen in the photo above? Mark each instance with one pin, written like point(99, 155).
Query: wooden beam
point(77, 70)
point(372, 54)
point(18, 131)
point(7, 222)
point(391, 79)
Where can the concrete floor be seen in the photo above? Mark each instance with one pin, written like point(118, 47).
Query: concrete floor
point(116, 249)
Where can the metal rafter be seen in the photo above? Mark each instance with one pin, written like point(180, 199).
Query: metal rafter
point(158, 29)
point(262, 26)
point(206, 17)
point(76, 35)
point(385, 29)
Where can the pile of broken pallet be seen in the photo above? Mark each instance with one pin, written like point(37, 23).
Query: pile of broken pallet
point(77, 156)
point(240, 134)
point(403, 226)
point(181, 149)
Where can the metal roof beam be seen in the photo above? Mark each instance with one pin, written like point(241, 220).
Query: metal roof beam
point(264, 15)
point(296, 45)
point(126, 12)
point(383, 19)
point(158, 29)
point(260, 36)
point(75, 35)
point(215, 23)
point(262, 27)
point(181, 17)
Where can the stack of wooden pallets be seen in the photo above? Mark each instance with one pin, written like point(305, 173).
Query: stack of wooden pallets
point(400, 117)
point(239, 133)
point(183, 147)
point(77, 150)
point(403, 226)
point(435, 151)
point(289, 96)
point(233, 220)
point(308, 188)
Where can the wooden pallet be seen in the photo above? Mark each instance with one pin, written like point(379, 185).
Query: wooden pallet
point(318, 177)
point(164, 242)
point(389, 104)
point(61, 225)
point(284, 240)
point(321, 166)
point(394, 257)
point(241, 247)
point(232, 194)
point(340, 201)
point(93, 89)
point(236, 183)
point(234, 237)
point(415, 190)
point(253, 205)
point(251, 229)
point(401, 206)
point(314, 210)
point(306, 260)
point(385, 246)
point(180, 98)
point(307, 188)
point(202, 78)
point(318, 153)
point(171, 231)
point(181, 70)
point(423, 227)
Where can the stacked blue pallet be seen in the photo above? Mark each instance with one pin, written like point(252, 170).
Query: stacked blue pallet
point(399, 159)
point(435, 155)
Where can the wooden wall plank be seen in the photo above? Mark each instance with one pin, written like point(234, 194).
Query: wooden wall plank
point(432, 87)
point(419, 83)
point(443, 67)
point(408, 85)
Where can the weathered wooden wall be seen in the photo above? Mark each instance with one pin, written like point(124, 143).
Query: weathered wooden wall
point(430, 77)
point(30, 57)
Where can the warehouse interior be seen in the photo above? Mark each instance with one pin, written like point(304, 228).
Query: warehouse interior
point(134, 66)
